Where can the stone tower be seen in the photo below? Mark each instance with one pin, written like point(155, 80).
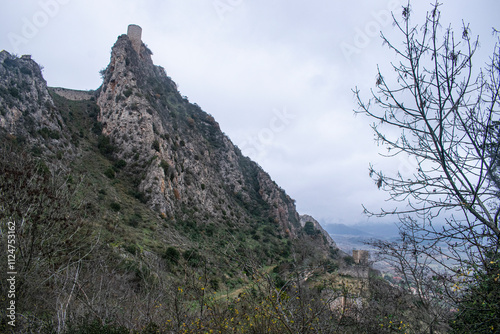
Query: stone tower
point(361, 256)
point(134, 33)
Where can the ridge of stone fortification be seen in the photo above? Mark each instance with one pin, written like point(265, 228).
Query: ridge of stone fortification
point(73, 94)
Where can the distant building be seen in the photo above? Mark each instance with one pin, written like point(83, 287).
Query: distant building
point(361, 256)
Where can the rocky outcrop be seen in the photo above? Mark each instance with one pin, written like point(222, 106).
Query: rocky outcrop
point(26, 107)
point(28, 115)
point(282, 206)
point(182, 162)
point(317, 226)
point(178, 159)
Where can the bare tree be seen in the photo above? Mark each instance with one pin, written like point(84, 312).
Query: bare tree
point(50, 239)
point(445, 114)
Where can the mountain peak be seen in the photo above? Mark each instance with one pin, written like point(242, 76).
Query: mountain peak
point(26, 108)
point(176, 153)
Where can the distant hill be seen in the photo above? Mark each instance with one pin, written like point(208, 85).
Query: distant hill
point(380, 230)
point(342, 229)
point(349, 237)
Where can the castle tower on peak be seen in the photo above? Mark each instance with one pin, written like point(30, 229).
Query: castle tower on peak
point(134, 33)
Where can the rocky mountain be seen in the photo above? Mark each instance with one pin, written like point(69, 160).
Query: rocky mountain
point(27, 111)
point(178, 153)
point(136, 188)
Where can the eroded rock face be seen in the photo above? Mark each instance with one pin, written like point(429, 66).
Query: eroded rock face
point(28, 115)
point(26, 107)
point(180, 161)
point(306, 218)
point(178, 156)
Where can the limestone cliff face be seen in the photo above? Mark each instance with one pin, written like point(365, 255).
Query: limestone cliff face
point(179, 160)
point(185, 166)
point(27, 110)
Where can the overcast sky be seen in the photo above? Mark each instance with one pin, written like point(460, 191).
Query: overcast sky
point(277, 75)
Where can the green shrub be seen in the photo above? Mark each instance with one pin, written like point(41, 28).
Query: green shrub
point(36, 150)
point(127, 92)
point(105, 146)
point(309, 228)
point(131, 248)
point(210, 230)
point(172, 255)
point(120, 164)
point(97, 128)
point(134, 220)
point(156, 145)
point(115, 206)
point(110, 172)
point(96, 327)
point(48, 133)
point(164, 165)
point(10, 62)
point(21, 140)
point(25, 70)
point(479, 307)
point(193, 258)
point(139, 196)
point(151, 328)
point(214, 283)
point(14, 92)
